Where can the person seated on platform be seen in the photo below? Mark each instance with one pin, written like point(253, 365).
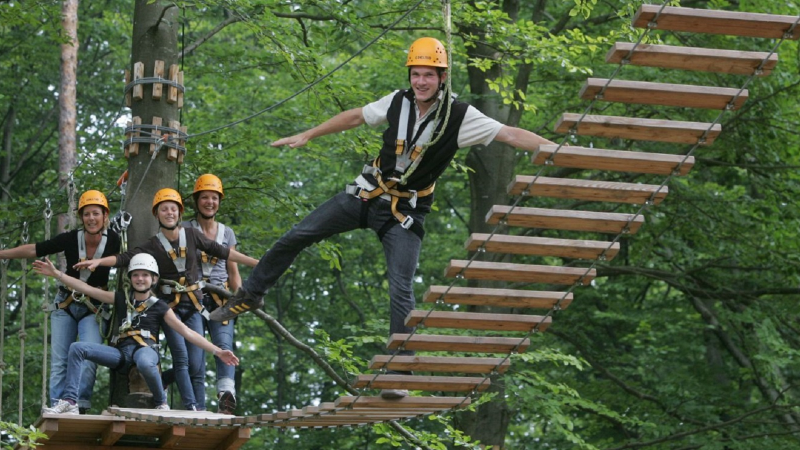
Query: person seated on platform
point(140, 316)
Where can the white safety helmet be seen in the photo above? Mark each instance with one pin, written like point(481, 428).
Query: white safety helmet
point(143, 261)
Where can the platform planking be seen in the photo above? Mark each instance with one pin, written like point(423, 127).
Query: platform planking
point(477, 321)
point(542, 246)
point(694, 58)
point(523, 273)
point(422, 383)
point(561, 219)
point(732, 23)
point(663, 94)
point(614, 160)
point(439, 364)
point(441, 343)
point(506, 298)
point(590, 190)
point(674, 131)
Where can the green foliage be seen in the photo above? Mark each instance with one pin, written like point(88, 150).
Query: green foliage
point(15, 435)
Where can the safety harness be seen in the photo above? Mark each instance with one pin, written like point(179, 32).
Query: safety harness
point(84, 276)
point(207, 263)
point(179, 259)
point(127, 329)
point(408, 155)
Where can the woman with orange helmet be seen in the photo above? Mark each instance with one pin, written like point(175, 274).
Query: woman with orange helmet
point(175, 248)
point(74, 316)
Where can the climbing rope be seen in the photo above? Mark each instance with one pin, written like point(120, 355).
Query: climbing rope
point(22, 334)
point(48, 214)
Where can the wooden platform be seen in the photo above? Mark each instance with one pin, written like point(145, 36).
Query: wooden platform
point(693, 58)
point(613, 160)
point(674, 131)
point(732, 23)
point(663, 94)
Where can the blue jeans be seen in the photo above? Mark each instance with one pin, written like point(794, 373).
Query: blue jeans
point(145, 359)
point(342, 213)
point(64, 330)
point(222, 337)
point(188, 360)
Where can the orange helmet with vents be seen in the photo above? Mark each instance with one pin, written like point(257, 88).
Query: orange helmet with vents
point(427, 51)
point(167, 195)
point(92, 197)
point(208, 182)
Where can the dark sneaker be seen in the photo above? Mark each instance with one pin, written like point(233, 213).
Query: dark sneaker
point(392, 394)
point(241, 302)
point(227, 403)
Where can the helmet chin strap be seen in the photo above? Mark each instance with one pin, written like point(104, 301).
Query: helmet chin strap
point(161, 224)
point(207, 217)
point(85, 230)
point(143, 291)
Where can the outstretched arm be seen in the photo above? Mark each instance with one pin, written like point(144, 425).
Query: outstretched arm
point(234, 278)
point(343, 121)
point(46, 268)
point(23, 251)
point(521, 139)
point(241, 258)
point(91, 264)
point(225, 356)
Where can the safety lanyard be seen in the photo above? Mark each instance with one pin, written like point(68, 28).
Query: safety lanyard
point(85, 273)
point(178, 257)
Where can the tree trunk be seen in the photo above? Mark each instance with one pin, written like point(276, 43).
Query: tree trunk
point(66, 101)
point(5, 164)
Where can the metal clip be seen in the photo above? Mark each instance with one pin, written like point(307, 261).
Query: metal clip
point(412, 202)
point(407, 222)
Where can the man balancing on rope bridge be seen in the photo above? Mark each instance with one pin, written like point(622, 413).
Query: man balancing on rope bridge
point(392, 196)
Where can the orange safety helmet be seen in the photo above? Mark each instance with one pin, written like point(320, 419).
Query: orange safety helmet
point(167, 195)
point(92, 197)
point(427, 51)
point(208, 182)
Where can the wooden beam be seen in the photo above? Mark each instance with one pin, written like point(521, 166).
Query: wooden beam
point(663, 94)
point(172, 437)
point(235, 439)
point(477, 321)
point(693, 58)
point(541, 246)
point(405, 402)
point(439, 364)
point(559, 219)
point(659, 130)
point(422, 383)
point(732, 23)
point(506, 298)
point(590, 190)
point(523, 273)
point(474, 344)
point(614, 160)
point(112, 433)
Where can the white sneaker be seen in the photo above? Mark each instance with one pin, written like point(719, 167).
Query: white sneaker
point(164, 407)
point(62, 407)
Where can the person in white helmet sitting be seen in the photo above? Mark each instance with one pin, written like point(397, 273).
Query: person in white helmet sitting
point(140, 317)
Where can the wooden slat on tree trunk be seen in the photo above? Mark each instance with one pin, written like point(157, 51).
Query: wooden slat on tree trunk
point(675, 131)
point(472, 344)
point(439, 363)
point(732, 23)
point(505, 298)
point(591, 190)
point(522, 273)
point(664, 94)
point(615, 160)
point(422, 383)
point(541, 246)
point(693, 58)
point(560, 219)
point(477, 321)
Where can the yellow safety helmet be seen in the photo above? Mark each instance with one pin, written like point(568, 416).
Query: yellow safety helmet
point(92, 197)
point(208, 182)
point(165, 195)
point(427, 51)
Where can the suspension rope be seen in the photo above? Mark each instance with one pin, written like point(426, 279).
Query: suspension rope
point(22, 334)
point(48, 214)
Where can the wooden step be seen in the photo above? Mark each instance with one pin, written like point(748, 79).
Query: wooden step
point(664, 94)
point(522, 273)
point(693, 58)
point(541, 246)
point(674, 131)
point(439, 364)
point(378, 403)
point(505, 298)
point(561, 219)
point(422, 383)
point(732, 23)
point(477, 321)
point(590, 190)
point(472, 344)
point(614, 160)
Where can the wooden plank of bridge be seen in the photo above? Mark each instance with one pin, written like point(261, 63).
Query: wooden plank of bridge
point(675, 131)
point(590, 190)
point(664, 94)
point(542, 246)
point(732, 23)
point(439, 364)
point(524, 273)
point(614, 160)
point(422, 383)
point(472, 344)
point(693, 58)
point(560, 219)
point(477, 321)
point(405, 402)
point(506, 298)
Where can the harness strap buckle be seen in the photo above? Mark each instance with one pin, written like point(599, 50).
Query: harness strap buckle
point(354, 190)
point(406, 224)
point(412, 202)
